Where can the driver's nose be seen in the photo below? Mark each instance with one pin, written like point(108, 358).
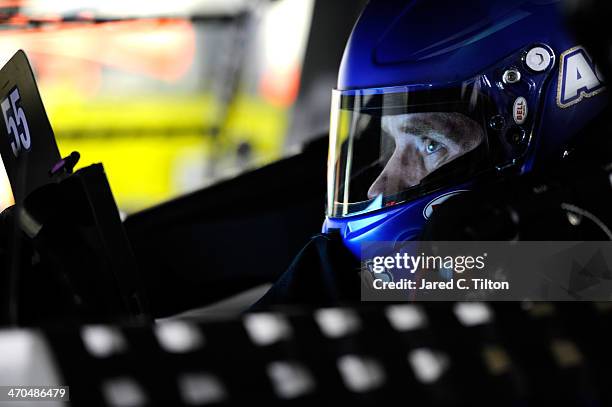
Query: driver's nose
point(401, 172)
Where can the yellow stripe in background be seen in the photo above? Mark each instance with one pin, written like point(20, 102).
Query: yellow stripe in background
point(155, 148)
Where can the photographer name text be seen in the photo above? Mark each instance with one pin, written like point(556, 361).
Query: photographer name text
point(458, 283)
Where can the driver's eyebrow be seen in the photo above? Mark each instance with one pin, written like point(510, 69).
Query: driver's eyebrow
point(437, 126)
point(447, 128)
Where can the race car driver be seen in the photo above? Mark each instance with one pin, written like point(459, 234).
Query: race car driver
point(471, 120)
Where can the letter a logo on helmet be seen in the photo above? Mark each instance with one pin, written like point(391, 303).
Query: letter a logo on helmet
point(578, 78)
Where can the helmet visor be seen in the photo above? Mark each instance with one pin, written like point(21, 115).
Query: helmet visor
point(391, 145)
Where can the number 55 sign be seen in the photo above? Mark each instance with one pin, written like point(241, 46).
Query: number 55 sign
point(15, 117)
point(27, 142)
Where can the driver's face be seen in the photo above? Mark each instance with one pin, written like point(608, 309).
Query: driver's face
point(423, 143)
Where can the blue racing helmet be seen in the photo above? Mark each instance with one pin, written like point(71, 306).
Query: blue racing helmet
point(435, 97)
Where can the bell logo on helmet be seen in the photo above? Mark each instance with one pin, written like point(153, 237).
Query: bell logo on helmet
point(431, 206)
point(519, 111)
point(578, 78)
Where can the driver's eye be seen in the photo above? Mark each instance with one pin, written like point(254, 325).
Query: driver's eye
point(431, 146)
